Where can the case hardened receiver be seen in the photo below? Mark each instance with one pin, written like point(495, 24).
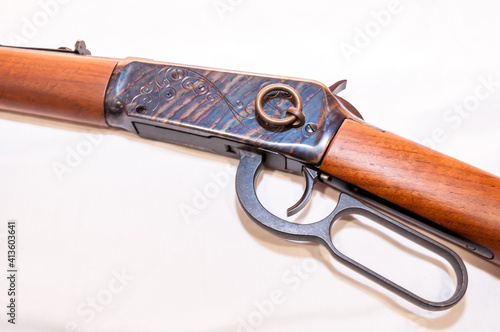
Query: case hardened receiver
point(319, 232)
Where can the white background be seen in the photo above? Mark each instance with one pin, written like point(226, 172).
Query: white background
point(412, 65)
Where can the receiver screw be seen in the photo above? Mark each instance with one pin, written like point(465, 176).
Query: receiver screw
point(141, 109)
point(311, 128)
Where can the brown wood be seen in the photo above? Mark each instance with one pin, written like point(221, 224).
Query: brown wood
point(444, 190)
point(68, 87)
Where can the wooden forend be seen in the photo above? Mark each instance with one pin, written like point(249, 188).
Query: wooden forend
point(52, 84)
point(444, 190)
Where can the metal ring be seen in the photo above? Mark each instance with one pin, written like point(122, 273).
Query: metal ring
point(294, 115)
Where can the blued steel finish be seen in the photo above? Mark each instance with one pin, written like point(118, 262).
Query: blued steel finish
point(319, 232)
point(211, 103)
point(311, 176)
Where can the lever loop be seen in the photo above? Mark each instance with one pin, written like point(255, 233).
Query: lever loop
point(319, 232)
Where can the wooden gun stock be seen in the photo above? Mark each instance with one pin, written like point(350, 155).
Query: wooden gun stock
point(455, 195)
point(56, 85)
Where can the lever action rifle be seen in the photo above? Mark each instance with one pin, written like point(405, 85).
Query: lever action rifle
point(288, 124)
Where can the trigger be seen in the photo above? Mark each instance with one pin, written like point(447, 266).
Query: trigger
point(311, 178)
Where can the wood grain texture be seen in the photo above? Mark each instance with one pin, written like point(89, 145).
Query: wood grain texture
point(444, 190)
point(67, 87)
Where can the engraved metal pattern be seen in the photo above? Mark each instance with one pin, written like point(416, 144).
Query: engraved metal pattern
point(214, 103)
point(169, 80)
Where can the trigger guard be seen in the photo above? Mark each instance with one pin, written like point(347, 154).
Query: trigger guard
point(246, 175)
